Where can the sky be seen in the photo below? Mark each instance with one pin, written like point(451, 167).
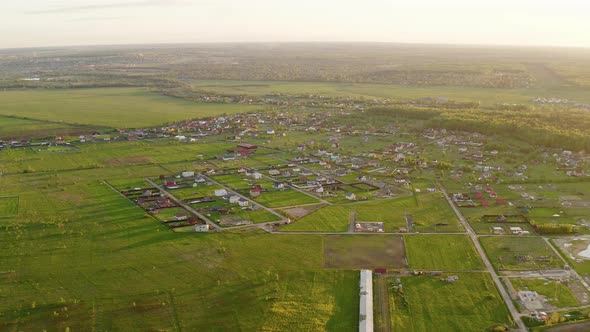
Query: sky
point(36, 23)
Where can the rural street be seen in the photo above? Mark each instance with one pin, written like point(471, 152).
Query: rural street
point(507, 299)
point(246, 198)
point(185, 206)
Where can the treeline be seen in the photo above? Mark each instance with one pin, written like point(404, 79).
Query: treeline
point(551, 127)
point(554, 228)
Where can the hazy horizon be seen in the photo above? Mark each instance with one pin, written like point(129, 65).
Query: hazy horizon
point(55, 23)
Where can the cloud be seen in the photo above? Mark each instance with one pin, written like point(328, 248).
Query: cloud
point(113, 5)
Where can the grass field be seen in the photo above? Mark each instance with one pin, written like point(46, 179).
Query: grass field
point(442, 252)
point(283, 198)
point(558, 294)
point(364, 252)
point(16, 128)
point(8, 206)
point(431, 213)
point(472, 303)
point(487, 96)
point(83, 257)
point(112, 107)
point(520, 253)
point(105, 155)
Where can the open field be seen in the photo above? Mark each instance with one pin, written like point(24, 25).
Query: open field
point(283, 198)
point(104, 155)
point(364, 252)
point(431, 213)
point(520, 253)
point(110, 107)
point(120, 270)
point(488, 96)
point(471, 303)
point(442, 252)
point(8, 206)
point(17, 128)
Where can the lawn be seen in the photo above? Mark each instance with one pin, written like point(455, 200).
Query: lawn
point(471, 303)
point(364, 252)
point(520, 253)
point(559, 294)
point(110, 107)
point(442, 252)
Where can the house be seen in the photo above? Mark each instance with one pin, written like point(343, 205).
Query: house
point(257, 175)
point(270, 132)
point(243, 202)
point(201, 228)
point(188, 174)
point(350, 196)
point(319, 189)
point(234, 199)
point(450, 278)
point(181, 216)
point(255, 192)
point(274, 172)
point(228, 157)
point(278, 185)
point(170, 182)
point(247, 146)
point(220, 192)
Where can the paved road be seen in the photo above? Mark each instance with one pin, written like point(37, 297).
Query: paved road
point(513, 312)
point(186, 206)
point(367, 233)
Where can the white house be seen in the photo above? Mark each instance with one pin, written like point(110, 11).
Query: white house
point(256, 175)
point(234, 199)
point(243, 202)
point(201, 228)
point(188, 174)
point(220, 192)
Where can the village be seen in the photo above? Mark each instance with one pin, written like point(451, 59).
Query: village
point(518, 207)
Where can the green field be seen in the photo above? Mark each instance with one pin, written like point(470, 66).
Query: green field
point(8, 206)
point(83, 257)
point(557, 293)
point(17, 128)
point(430, 214)
point(110, 107)
point(283, 198)
point(471, 303)
point(487, 96)
point(113, 154)
point(442, 252)
point(520, 253)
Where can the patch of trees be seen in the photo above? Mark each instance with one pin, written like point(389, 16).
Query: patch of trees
point(550, 127)
point(554, 228)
